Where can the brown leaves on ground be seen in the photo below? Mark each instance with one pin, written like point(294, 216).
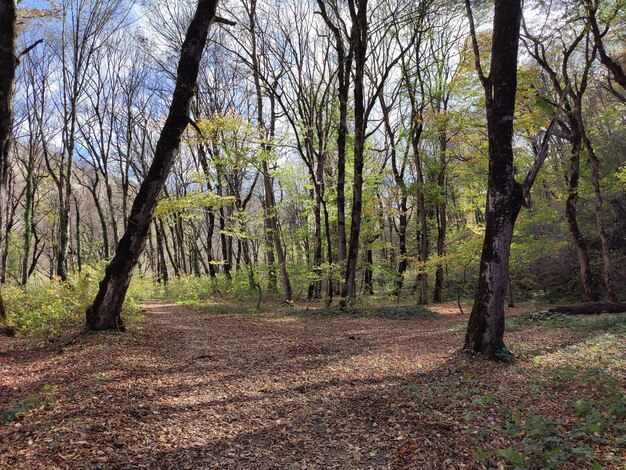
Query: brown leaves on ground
point(202, 390)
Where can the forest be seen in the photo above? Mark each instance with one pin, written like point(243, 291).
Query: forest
point(313, 234)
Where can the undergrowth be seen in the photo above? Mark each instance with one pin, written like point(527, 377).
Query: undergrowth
point(54, 307)
point(579, 323)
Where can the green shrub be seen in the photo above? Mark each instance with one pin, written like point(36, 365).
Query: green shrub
point(52, 307)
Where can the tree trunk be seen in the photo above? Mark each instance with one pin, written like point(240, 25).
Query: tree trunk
point(442, 215)
point(485, 330)
point(79, 257)
point(105, 312)
point(344, 69)
point(588, 289)
point(359, 35)
point(28, 217)
point(599, 211)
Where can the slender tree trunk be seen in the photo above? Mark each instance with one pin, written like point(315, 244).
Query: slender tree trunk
point(599, 211)
point(589, 293)
point(317, 250)
point(359, 24)
point(105, 312)
point(344, 69)
point(403, 264)
point(612, 65)
point(270, 208)
point(79, 257)
point(103, 221)
point(422, 217)
point(29, 207)
point(485, 330)
point(225, 241)
point(442, 216)
point(369, 271)
point(162, 275)
point(329, 253)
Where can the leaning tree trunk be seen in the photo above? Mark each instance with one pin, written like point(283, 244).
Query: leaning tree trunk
point(104, 314)
point(485, 330)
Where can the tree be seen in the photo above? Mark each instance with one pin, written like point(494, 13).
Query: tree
point(104, 313)
point(505, 196)
point(8, 63)
point(609, 62)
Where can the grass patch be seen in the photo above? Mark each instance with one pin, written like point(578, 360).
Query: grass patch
point(585, 382)
point(614, 322)
point(405, 312)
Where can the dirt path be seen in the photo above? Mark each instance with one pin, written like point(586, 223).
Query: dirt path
point(201, 390)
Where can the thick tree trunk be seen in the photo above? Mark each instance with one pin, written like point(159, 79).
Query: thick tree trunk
point(8, 63)
point(485, 330)
point(105, 312)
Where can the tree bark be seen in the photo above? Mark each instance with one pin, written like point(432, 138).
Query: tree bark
point(8, 63)
point(105, 312)
point(442, 213)
point(344, 68)
point(613, 66)
point(358, 13)
point(599, 212)
point(571, 210)
point(485, 330)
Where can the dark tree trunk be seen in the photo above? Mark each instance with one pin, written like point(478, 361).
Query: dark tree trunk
point(423, 229)
point(571, 208)
point(442, 214)
point(614, 67)
point(369, 271)
point(162, 275)
point(79, 256)
point(590, 308)
point(599, 212)
point(105, 312)
point(358, 13)
point(269, 206)
point(225, 241)
point(344, 69)
point(485, 330)
point(8, 63)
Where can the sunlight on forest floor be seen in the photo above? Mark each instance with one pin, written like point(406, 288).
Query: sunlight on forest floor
point(219, 388)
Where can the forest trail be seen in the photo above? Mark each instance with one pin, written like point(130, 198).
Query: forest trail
point(195, 389)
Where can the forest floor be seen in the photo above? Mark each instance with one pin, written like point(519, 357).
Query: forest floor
point(214, 388)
